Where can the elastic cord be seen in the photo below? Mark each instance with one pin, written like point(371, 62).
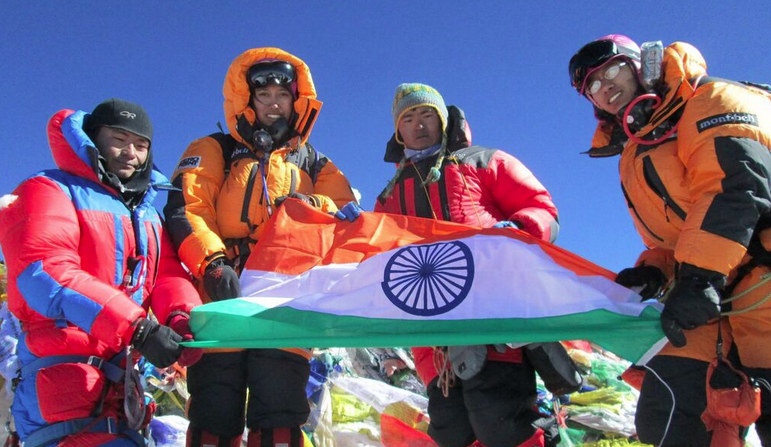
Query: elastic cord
point(672, 412)
point(265, 159)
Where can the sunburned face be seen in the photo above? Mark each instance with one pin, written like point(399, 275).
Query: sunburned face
point(420, 128)
point(124, 152)
point(612, 87)
point(271, 103)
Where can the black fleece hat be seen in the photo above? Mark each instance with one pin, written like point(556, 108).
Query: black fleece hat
point(121, 114)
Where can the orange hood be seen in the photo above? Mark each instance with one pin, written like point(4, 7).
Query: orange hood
point(237, 94)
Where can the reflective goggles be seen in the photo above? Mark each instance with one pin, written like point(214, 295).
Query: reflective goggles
point(610, 74)
point(264, 73)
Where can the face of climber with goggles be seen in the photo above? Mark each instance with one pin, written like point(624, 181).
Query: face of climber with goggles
point(273, 87)
point(612, 86)
point(601, 71)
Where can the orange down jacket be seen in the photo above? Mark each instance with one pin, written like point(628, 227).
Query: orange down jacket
point(699, 196)
point(213, 207)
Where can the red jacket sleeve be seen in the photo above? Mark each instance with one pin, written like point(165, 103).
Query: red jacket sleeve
point(521, 197)
point(173, 291)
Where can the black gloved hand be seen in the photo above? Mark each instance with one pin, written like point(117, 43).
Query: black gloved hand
point(220, 281)
point(650, 280)
point(692, 302)
point(158, 344)
point(295, 195)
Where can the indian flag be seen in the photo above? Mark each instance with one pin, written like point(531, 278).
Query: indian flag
point(388, 280)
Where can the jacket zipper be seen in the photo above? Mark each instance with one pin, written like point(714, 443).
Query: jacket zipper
point(248, 197)
point(655, 183)
point(157, 253)
point(639, 218)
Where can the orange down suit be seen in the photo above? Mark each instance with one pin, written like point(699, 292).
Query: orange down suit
point(220, 211)
point(215, 209)
point(703, 197)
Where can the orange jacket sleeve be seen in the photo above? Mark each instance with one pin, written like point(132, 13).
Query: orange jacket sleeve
point(332, 189)
point(190, 211)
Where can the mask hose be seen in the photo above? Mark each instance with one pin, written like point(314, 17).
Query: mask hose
point(625, 121)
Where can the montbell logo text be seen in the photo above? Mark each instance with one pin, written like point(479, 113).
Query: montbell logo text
point(727, 118)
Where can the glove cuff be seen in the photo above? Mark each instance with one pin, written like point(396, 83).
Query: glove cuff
point(220, 260)
point(690, 272)
point(143, 329)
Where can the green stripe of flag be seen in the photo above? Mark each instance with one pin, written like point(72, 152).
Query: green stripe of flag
point(243, 324)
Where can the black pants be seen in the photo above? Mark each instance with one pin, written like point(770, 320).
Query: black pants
point(496, 407)
point(685, 380)
point(276, 382)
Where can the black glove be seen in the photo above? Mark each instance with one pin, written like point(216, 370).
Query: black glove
point(220, 281)
point(650, 279)
point(295, 195)
point(158, 344)
point(692, 302)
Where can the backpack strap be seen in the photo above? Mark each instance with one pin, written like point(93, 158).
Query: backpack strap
point(707, 79)
point(313, 170)
point(228, 145)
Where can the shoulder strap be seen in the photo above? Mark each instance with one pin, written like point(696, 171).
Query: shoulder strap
point(228, 145)
point(765, 87)
point(707, 79)
point(313, 155)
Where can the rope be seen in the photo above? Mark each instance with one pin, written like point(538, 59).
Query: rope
point(763, 279)
point(425, 190)
point(443, 368)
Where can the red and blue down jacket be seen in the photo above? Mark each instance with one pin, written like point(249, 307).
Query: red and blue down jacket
point(70, 245)
point(478, 186)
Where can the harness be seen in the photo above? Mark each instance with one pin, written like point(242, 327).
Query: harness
point(55, 432)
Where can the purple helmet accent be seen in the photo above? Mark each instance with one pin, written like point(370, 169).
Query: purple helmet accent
point(594, 55)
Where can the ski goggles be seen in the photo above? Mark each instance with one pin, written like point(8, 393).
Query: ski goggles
point(590, 57)
point(263, 74)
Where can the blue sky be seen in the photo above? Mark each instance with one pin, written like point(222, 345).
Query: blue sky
point(503, 62)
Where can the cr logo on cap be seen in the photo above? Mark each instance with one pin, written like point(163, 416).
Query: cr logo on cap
point(128, 114)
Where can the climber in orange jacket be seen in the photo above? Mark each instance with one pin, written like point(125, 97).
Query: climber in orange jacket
point(230, 185)
point(695, 170)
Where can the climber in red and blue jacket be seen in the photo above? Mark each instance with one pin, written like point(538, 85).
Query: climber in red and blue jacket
point(88, 259)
